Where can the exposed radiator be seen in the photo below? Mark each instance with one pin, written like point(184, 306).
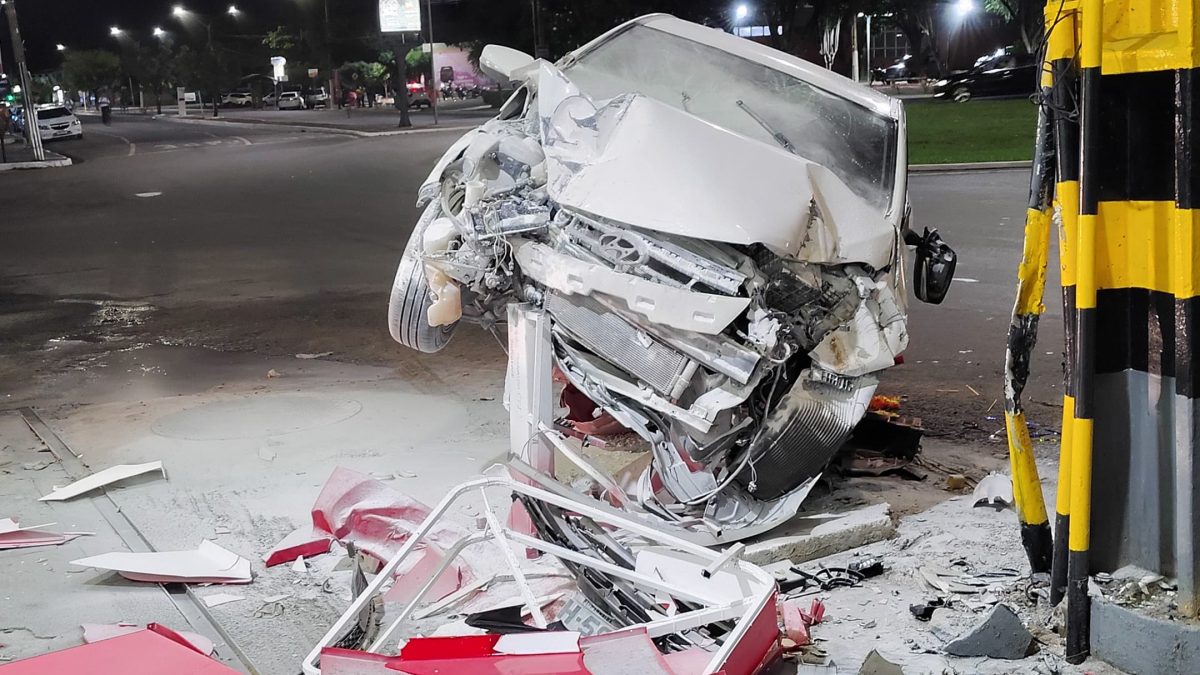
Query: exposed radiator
point(804, 431)
point(621, 344)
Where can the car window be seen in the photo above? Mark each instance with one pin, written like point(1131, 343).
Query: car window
point(855, 143)
point(52, 113)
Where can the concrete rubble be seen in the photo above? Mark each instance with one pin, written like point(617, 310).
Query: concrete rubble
point(1000, 635)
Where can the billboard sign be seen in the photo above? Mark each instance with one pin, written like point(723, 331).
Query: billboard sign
point(400, 16)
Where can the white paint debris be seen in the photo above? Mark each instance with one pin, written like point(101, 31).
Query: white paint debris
point(102, 478)
point(218, 599)
point(209, 563)
point(320, 355)
point(146, 194)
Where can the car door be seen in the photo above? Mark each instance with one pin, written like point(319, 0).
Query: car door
point(1021, 79)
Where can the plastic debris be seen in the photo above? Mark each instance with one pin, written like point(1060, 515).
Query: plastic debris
point(301, 542)
point(995, 490)
point(209, 563)
point(12, 535)
point(102, 478)
point(150, 651)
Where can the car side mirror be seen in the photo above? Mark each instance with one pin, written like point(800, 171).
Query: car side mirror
point(934, 267)
point(503, 64)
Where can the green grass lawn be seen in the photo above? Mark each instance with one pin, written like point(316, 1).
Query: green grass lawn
point(943, 132)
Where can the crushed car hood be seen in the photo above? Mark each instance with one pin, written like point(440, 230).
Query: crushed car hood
point(616, 160)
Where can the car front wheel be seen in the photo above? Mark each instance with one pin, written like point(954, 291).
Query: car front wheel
point(408, 309)
point(962, 95)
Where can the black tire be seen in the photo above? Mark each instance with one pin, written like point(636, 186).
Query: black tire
point(408, 309)
point(961, 95)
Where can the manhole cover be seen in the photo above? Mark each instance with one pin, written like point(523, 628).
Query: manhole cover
point(255, 417)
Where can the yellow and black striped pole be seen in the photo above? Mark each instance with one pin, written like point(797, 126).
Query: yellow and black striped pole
point(1061, 55)
point(1022, 336)
point(1079, 539)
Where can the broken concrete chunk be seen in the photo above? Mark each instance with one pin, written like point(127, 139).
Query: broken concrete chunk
point(857, 528)
point(877, 665)
point(1000, 635)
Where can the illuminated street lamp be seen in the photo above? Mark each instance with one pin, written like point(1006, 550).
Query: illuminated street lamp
point(964, 7)
point(233, 10)
point(179, 11)
point(741, 12)
point(115, 31)
point(159, 32)
point(60, 47)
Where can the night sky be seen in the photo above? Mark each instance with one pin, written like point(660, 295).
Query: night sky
point(84, 24)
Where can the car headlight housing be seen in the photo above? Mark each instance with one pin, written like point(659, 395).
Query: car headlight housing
point(941, 83)
point(74, 123)
point(44, 127)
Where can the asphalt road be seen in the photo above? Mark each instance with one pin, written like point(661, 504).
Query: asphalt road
point(266, 238)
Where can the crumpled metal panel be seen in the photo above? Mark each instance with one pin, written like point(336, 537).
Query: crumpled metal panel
point(621, 344)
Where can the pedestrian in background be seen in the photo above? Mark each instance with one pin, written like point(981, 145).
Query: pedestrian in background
point(105, 109)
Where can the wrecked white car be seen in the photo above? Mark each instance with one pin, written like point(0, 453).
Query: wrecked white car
point(716, 231)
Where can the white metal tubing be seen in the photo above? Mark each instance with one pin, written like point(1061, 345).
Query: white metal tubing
point(458, 596)
point(609, 568)
point(696, 618)
point(602, 514)
point(497, 532)
point(447, 559)
point(309, 664)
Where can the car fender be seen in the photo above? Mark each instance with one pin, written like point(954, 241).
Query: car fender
point(432, 184)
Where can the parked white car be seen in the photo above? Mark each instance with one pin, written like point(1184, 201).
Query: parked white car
point(291, 100)
point(317, 98)
point(237, 99)
point(56, 121)
point(715, 233)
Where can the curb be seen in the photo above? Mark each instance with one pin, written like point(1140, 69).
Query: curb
point(970, 166)
point(314, 128)
point(45, 164)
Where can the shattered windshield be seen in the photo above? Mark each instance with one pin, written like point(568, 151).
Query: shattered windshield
point(748, 98)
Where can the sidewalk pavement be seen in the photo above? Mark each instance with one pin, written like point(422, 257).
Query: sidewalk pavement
point(19, 155)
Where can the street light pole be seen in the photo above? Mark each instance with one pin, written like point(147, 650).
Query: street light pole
point(437, 90)
point(854, 47)
point(18, 47)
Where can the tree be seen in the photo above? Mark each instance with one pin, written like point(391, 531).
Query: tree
point(420, 62)
point(203, 69)
point(91, 70)
point(154, 68)
point(43, 87)
point(1027, 14)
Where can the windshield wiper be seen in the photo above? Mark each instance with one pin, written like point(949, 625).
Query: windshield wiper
point(777, 135)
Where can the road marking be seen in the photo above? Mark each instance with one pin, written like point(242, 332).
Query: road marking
point(146, 194)
point(966, 280)
point(131, 144)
